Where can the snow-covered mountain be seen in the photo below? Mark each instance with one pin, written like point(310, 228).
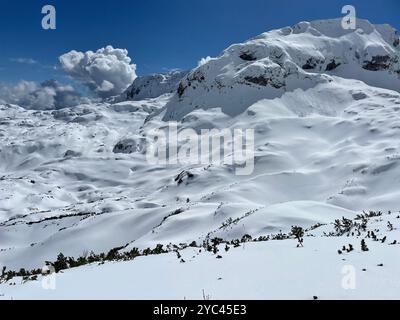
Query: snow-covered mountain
point(281, 61)
point(153, 86)
point(324, 103)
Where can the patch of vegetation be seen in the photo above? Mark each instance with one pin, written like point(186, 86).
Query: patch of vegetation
point(64, 263)
point(246, 238)
point(345, 249)
point(280, 236)
point(80, 214)
point(343, 226)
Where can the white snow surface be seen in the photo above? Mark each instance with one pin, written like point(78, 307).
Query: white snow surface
point(276, 269)
point(76, 180)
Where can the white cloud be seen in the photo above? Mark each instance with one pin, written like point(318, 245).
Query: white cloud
point(24, 60)
point(107, 72)
point(204, 60)
point(46, 96)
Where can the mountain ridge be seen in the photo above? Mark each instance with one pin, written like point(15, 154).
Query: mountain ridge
point(285, 59)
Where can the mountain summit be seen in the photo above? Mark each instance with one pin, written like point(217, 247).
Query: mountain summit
point(286, 59)
point(153, 86)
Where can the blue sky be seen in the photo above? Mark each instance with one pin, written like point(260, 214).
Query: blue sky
point(159, 34)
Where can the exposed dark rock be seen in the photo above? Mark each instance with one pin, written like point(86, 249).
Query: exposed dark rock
point(71, 153)
point(128, 146)
point(311, 63)
point(181, 89)
point(183, 175)
point(131, 94)
point(359, 96)
point(377, 63)
point(248, 56)
point(332, 65)
point(196, 76)
point(260, 80)
point(264, 81)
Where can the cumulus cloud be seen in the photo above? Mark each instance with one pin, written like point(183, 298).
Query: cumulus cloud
point(45, 96)
point(106, 72)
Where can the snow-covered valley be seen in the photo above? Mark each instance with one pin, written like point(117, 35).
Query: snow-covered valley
point(324, 104)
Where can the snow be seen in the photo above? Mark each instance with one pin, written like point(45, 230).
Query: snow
point(76, 179)
point(255, 270)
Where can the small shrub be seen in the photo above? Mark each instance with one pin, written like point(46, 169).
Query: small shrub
point(246, 238)
point(343, 226)
point(364, 247)
point(298, 233)
point(235, 243)
point(193, 244)
point(61, 263)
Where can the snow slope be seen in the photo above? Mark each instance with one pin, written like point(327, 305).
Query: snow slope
point(255, 270)
point(326, 146)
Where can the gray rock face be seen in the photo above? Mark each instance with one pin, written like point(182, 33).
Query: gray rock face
point(153, 86)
